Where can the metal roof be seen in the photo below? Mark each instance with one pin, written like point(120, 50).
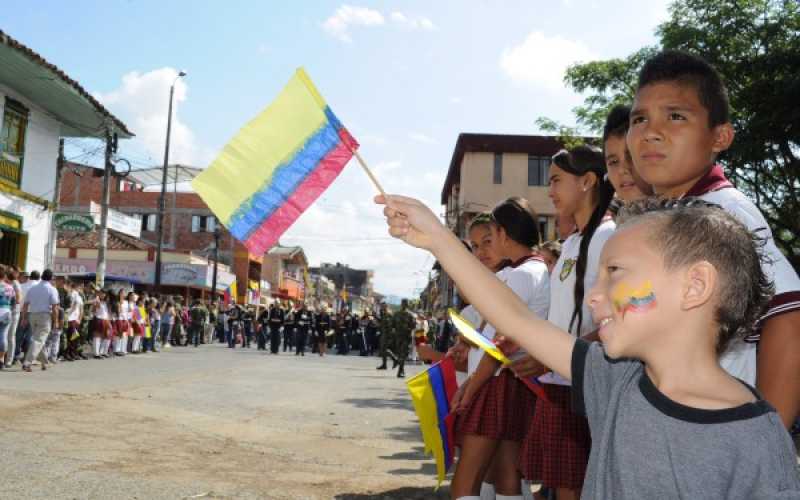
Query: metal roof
point(45, 84)
point(175, 173)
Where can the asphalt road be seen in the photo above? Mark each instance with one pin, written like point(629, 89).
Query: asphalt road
point(211, 422)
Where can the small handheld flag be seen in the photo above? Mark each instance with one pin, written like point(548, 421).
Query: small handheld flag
point(431, 392)
point(466, 329)
point(277, 165)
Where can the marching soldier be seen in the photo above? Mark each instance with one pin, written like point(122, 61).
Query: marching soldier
point(276, 317)
point(387, 333)
point(403, 323)
point(304, 319)
point(323, 325)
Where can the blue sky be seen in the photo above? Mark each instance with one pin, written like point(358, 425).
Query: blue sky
point(405, 77)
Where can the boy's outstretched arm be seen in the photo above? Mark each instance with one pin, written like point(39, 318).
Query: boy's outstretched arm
point(414, 223)
point(778, 365)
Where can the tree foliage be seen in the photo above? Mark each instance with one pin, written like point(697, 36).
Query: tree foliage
point(755, 45)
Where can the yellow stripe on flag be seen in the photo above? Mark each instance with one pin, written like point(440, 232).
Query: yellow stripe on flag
point(424, 401)
point(249, 160)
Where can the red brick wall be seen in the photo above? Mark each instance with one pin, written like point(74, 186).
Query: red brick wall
point(80, 187)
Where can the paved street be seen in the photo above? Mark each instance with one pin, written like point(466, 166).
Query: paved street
point(211, 423)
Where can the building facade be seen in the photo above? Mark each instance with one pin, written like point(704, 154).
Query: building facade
point(39, 106)
point(484, 170)
point(189, 225)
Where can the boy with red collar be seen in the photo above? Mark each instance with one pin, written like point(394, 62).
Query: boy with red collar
point(679, 124)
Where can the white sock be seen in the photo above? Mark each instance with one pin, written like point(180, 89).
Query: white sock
point(509, 497)
point(104, 346)
point(487, 491)
point(527, 494)
point(96, 346)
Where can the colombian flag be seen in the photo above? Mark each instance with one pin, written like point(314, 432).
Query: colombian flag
point(276, 166)
point(431, 392)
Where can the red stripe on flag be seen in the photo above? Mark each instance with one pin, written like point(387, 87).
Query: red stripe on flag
point(268, 233)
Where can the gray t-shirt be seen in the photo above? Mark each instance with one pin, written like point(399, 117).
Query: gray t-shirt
point(645, 445)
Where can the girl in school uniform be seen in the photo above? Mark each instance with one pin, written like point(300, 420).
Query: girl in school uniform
point(496, 407)
point(101, 325)
point(119, 308)
point(556, 450)
point(138, 323)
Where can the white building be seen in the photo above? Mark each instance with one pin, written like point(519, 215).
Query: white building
point(39, 105)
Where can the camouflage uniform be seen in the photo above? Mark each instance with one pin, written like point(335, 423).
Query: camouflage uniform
point(403, 324)
point(386, 327)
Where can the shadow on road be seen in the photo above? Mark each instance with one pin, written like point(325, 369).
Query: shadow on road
point(418, 453)
point(408, 493)
point(391, 404)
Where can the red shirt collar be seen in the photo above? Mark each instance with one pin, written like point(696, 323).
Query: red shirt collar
point(714, 180)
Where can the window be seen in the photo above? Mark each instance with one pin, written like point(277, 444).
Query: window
point(149, 221)
point(12, 141)
point(538, 170)
point(498, 168)
point(203, 223)
point(543, 234)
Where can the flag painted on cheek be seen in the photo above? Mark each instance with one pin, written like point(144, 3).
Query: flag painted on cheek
point(276, 166)
point(634, 299)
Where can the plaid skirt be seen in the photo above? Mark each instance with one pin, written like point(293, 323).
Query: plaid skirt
point(555, 452)
point(501, 410)
point(121, 327)
point(102, 328)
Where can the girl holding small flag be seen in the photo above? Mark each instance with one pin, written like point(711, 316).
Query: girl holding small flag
point(496, 408)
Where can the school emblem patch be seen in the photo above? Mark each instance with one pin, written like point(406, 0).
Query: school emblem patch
point(566, 268)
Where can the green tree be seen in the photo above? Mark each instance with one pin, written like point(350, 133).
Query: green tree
point(755, 44)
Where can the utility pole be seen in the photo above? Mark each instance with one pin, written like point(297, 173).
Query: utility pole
point(161, 199)
point(53, 238)
point(216, 262)
point(100, 276)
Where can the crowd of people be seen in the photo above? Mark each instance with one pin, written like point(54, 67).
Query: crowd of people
point(47, 319)
point(661, 337)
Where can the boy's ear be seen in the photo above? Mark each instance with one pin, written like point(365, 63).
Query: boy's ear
point(700, 281)
point(723, 137)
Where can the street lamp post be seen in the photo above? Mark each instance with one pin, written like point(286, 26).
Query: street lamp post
point(161, 199)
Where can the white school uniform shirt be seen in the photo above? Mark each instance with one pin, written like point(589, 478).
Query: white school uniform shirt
point(740, 359)
point(77, 306)
point(102, 312)
point(562, 286)
point(530, 281)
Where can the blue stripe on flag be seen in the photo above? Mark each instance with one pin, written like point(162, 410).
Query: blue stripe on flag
point(442, 404)
point(285, 180)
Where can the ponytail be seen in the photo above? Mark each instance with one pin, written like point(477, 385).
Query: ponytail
point(580, 161)
point(605, 191)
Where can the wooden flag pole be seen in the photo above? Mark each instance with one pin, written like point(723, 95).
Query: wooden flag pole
point(369, 173)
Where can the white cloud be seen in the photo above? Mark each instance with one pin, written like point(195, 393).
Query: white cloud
point(412, 23)
point(542, 61)
point(141, 102)
point(455, 100)
point(421, 138)
point(348, 16)
point(338, 25)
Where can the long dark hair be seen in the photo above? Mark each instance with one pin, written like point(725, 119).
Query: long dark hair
point(518, 220)
point(580, 161)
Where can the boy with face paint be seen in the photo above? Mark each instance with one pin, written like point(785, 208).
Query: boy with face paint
point(679, 124)
point(667, 420)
